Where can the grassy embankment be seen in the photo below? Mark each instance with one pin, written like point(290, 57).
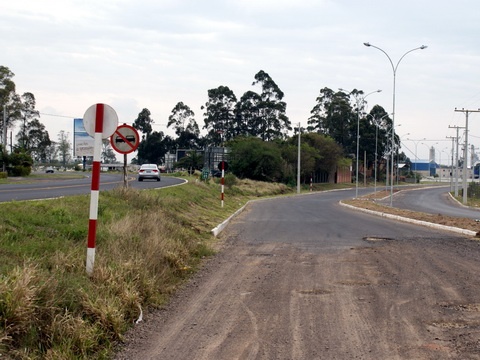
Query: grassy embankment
point(148, 242)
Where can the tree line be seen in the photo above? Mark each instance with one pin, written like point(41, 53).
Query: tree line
point(255, 122)
point(33, 140)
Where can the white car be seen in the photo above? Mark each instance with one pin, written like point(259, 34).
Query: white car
point(148, 171)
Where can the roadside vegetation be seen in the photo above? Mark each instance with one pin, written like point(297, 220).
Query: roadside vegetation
point(148, 243)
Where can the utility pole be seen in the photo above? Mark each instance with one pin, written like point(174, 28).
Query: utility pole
point(4, 135)
point(298, 159)
point(456, 157)
point(465, 153)
point(451, 169)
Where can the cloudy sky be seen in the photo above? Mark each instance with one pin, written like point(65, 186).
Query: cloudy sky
point(135, 54)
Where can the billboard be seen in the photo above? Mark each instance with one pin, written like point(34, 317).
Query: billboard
point(82, 142)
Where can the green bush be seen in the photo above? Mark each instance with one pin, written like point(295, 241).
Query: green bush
point(230, 180)
point(19, 170)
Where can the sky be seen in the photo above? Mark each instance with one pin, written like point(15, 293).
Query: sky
point(136, 54)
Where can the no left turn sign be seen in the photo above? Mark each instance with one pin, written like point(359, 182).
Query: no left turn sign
point(125, 139)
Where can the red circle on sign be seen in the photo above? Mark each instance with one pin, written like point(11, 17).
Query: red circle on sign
point(125, 139)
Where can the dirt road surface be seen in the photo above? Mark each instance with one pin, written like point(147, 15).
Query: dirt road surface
point(402, 297)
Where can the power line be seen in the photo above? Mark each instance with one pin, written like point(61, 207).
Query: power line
point(63, 116)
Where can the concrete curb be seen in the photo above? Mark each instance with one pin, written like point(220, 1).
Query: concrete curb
point(218, 229)
point(412, 221)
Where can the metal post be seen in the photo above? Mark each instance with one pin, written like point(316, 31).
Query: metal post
point(4, 133)
point(465, 154)
point(456, 158)
point(298, 161)
point(376, 145)
point(125, 180)
point(364, 168)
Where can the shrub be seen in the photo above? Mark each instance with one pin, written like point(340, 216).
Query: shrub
point(230, 180)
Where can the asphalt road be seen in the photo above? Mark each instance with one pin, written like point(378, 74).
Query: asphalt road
point(304, 278)
point(57, 187)
point(432, 200)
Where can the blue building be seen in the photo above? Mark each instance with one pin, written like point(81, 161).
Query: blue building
point(424, 167)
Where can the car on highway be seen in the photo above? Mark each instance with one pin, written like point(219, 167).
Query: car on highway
point(148, 171)
point(49, 170)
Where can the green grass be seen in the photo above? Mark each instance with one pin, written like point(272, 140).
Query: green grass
point(148, 242)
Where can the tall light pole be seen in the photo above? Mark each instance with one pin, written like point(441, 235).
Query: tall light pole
point(394, 68)
point(358, 134)
point(4, 141)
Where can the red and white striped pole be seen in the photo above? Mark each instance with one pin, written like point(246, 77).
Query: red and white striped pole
point(97, 153)
point(223, 180)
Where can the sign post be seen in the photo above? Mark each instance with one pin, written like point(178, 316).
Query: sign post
point(125, 140)
point(100, 121)
point(223, 181)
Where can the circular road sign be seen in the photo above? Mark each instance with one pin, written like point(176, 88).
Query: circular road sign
point(125, 139)
point(110, 120)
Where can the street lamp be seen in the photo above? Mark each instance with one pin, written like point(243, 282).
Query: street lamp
point(394, 68)
point(358, 134)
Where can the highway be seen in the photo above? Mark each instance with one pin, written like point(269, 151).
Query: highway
point(57, 187)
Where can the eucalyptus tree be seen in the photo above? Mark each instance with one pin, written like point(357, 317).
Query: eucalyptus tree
point(375, 128)
point(9, 100)
point(333, 116)
point(248, 119)
point(144, 122)
point(273, 121)
point(219, 114)
point(64, 147)
point(34, 139)
point(186, 128)
point(33, 136)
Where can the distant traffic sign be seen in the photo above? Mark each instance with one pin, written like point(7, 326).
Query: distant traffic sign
point(125, 139)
